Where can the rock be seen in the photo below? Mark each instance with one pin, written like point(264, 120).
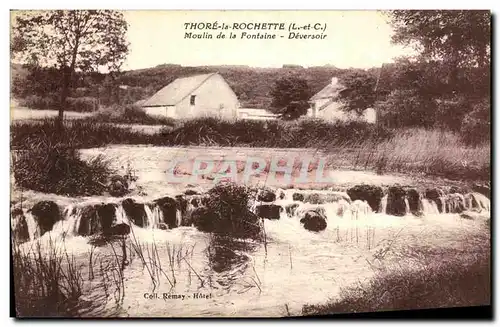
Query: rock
point(396, 205)
point(314, 221)
point(107, 215)
point(117, 186)
point(369, 193)
point(436, 195)
point(46, 214)
point(89, 221)
point(266, 195)
point(269, 211)
point(182, 203)
point(414, 201)
point(119, 229)
point(280, 194)
point(203, 219)
point(168, 207)
point(195, 202)
point(291, 209)
point(298, 197)
point(191, 192)
point(135, 212)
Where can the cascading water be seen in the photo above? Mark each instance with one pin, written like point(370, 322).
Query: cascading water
point(429, 207)
point(33, 229)
point(333, 209)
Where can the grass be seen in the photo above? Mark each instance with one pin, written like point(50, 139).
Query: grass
point(439, 280)
point(46, 283)
point(417, 151)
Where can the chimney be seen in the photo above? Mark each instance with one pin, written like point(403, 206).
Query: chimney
point(334, 80)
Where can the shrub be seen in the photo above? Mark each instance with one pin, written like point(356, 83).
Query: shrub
point(274, 133)
point(228, 206)
point(405, 108)
point(60, 170)
point(476, 125)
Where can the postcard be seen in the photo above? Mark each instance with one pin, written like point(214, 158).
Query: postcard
point(249, 163)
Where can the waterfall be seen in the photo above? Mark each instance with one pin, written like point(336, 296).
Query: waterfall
point(121, 216)
point(150, 216)
point(33, 228)
point(383, 204)
point(429, 207)
point(68, 226)
point(178, 217)
point(283, 215)
point(407, 206)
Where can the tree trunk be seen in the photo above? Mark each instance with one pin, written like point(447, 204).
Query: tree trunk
point(67, 80)
point(64, 96)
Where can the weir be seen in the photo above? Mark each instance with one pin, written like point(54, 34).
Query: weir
point(311, 207)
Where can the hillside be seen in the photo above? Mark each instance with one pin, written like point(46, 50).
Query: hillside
point(251, 84)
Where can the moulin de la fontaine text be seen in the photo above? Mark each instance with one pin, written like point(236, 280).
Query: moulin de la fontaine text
point(256, 31)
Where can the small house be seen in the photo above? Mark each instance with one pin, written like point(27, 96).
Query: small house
point(194, 96)
point(326, 105)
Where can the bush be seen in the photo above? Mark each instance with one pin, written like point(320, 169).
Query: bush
point(228, 206)
point(60, 170)
point(274, 133)
point(476, 125)
point(407, 108)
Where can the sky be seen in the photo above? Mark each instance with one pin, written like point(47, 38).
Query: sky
point(358, 39)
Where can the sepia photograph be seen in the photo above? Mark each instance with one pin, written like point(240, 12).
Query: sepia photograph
point(250, 164)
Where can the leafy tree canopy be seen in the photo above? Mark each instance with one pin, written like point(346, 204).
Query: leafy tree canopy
point(70, 40)
point(290, 95)
point(359, 92)
point(458, 37)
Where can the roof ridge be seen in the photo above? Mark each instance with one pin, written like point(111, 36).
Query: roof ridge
point(197, 87)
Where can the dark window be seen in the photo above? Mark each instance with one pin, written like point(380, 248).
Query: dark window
point(193, 97)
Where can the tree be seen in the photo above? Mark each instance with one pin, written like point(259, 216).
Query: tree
point(289, 97)
point(459, 38)
point(359, 92)
point(70, 40)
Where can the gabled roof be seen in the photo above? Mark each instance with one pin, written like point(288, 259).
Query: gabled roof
point(329, 91)
point(176, 91)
